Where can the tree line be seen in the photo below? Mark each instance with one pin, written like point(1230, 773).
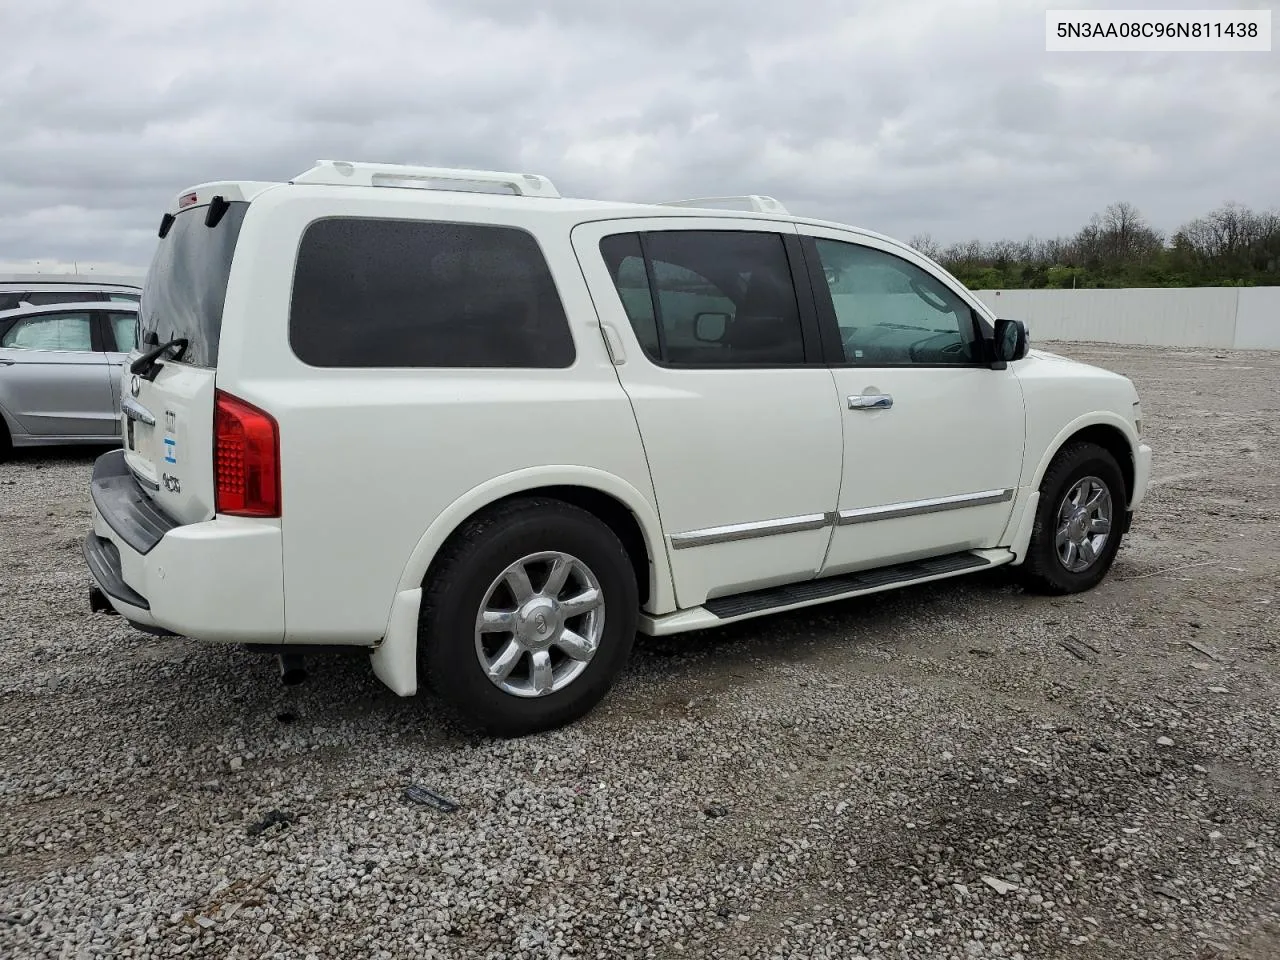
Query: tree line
point(1230, 246)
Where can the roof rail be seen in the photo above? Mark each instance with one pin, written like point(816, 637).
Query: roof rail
point(753, 202)
point(344, 172)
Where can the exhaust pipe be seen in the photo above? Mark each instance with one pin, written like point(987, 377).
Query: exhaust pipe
point(292, 669)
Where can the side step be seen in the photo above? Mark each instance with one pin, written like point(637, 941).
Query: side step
point(810, 590)
point(755, 603)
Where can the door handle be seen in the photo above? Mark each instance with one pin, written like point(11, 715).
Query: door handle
point(870, 401)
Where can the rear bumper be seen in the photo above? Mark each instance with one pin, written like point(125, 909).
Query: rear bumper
point(220, 579)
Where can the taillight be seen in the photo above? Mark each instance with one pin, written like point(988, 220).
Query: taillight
point(246, 459)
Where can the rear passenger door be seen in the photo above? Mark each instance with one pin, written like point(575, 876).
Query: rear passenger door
point(718, 352)
point(51, 379)
point(119, 333)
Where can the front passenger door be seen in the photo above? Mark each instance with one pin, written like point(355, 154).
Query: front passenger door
point(933, 437)
point(52, 380)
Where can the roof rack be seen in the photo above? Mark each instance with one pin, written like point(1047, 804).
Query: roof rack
point(753, 202)
point(347, 173)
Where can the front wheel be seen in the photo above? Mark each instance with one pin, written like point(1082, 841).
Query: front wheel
point(528, 617)
point(1078, 521)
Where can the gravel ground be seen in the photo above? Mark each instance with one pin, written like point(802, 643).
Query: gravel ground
point(929, 773)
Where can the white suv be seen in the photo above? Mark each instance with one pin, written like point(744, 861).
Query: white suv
point(488, 433)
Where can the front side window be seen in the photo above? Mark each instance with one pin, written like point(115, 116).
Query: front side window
point(407, 293)
point(708, 298)
point(50, 331)
point(891, 312)
point(123, 331)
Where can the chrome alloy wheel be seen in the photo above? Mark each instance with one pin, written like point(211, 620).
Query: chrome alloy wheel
point(540, 624)
point(1084, 524)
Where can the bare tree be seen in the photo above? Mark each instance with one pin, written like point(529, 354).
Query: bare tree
point(927, 245)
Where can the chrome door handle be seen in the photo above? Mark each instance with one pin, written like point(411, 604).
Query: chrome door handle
point(870, 401)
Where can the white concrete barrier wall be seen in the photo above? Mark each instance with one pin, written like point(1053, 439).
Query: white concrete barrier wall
point(1243, 318)
point(1258, 319)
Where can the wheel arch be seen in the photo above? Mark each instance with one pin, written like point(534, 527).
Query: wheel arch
point(1108, 431)
point(617, 503)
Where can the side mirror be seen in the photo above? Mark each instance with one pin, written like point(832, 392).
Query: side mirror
point(710, 327)
point(1010, 341)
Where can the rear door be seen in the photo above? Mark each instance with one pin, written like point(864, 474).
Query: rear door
point(719, 355)
point(52, 380)
point(168, 422)
point(119, 335)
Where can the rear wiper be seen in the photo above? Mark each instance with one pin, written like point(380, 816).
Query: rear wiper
point(146, 364)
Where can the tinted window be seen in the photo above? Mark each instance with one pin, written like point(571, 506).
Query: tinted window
point(45, 298)
point(724, 298)
point(187, 283)
point(9, 301)
point(625, 260)
point(892, 312)
point(123, 297)
point(123, 329)
point(398, 293)
point(50, 331)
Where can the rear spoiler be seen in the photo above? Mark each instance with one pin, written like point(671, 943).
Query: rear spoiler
point(216, 194)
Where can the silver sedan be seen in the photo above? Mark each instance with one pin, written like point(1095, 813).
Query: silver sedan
point(60, 372)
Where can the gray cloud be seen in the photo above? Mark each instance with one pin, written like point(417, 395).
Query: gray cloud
point(922, 115)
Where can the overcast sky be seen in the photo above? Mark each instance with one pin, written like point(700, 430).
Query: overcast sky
point(910, 116)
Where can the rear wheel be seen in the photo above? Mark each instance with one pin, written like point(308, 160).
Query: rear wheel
point(6, 442)
point(1078, 521)
point(528, 616)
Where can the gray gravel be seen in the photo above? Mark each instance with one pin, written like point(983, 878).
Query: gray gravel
point(929, 773)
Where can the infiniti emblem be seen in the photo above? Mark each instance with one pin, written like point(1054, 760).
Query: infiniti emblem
point(134, 386)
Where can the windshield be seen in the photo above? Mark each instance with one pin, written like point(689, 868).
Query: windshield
point(187, 282)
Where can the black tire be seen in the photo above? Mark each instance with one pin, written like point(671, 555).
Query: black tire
point(1044, 570)
point(6, 442)
point(455, 590)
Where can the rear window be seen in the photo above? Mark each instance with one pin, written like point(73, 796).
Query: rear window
point(398, 293)
point(187, 283)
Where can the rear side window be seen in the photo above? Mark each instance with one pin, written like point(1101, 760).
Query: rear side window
point(124, 331)
point(399, 293)
point(708, 298)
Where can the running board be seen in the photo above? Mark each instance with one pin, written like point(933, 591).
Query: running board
point(792, 596)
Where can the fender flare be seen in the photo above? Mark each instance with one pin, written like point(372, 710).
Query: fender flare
point(1098, 418)
point(1018, 531)
point(529, 480)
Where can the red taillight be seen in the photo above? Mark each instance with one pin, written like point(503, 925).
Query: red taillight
point(246, 459)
